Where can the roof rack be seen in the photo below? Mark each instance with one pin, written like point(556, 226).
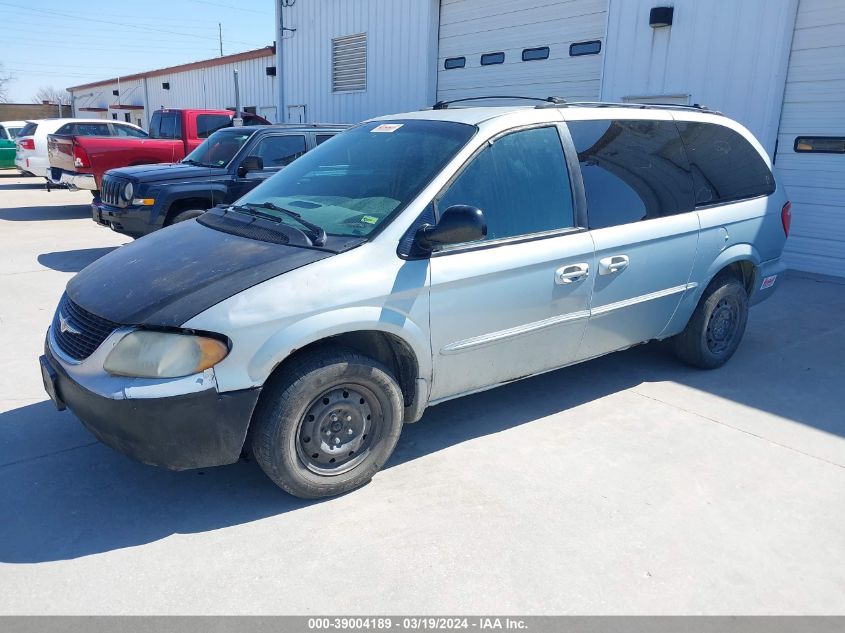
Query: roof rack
point(311, 125)
point(560, 102)
point(550, 101)
point(637, 106)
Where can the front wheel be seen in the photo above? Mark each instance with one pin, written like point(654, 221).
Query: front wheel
point(717, 325)
point(187, 214)
point(327, 423)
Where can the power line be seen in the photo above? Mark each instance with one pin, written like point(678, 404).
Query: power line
point(228, 6)
point(110, 22)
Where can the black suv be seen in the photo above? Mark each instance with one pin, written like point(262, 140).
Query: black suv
point(229, 163)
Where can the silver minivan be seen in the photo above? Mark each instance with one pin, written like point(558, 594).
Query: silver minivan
point(413, 259)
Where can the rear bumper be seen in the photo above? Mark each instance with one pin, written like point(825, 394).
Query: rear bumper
point(768, 278)
point(131, 221)
point(193, 430)
point(72, 179)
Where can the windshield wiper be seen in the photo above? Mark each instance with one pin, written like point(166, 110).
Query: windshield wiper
point(190, 161)
point(318, 237)
point(319, 232)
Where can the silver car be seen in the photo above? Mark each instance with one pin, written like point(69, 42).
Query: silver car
point(410, 260)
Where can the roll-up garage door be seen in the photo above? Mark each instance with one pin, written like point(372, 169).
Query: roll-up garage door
point(535, 48)
point(811, 142)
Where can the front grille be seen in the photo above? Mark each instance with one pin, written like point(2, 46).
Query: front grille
point(77, 332)
point(110, 191)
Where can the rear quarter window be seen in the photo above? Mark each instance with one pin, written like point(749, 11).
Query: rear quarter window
point(633, 170)
point(725, 166)
point(125, 130)
point(92, 129)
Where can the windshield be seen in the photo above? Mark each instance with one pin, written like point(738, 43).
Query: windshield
point(219, 148)
point(350, 184)
point(13, 131)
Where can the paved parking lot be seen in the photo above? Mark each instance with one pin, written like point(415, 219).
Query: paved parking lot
point(630, 484)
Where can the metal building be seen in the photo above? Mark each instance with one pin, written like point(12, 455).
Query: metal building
point(777, 66)
point(204, 84)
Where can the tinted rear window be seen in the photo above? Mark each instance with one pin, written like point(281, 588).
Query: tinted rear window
point(166, 125)
point(633, 170)
point(725, 166)
point(28, 129)
point(209, 123)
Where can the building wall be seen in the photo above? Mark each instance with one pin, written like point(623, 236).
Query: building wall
point(209, 87)
point(214, 87)
point(728, 55)
point(26, 111)
point(469, 28)
point(401, 55)
point(814, 105)
point(101, 96)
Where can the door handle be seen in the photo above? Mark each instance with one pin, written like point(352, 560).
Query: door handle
point(572, 273)
point(613, 265)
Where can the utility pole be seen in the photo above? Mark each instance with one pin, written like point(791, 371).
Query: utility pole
point(220, 35)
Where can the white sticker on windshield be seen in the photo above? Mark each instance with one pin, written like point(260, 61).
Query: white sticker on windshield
point(387, 127)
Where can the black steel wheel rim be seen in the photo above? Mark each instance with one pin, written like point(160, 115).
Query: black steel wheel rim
point(722, 325)
point(339, 429)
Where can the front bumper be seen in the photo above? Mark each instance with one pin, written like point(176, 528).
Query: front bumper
point(72, 179)
point(133, 221)
point(193, 430)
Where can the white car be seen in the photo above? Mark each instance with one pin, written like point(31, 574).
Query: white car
point(31, 156)
point(10, 129)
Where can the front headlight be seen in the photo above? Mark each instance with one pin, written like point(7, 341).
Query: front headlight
point(128, 190)
point(149, 354)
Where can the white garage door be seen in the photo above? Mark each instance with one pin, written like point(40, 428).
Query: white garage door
point(814, 117)
point(536, 48)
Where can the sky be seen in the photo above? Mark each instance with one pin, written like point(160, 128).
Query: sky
point(56, 43)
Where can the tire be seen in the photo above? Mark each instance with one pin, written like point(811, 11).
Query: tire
point(349, 401)
point(187, 214)
point(716, 327)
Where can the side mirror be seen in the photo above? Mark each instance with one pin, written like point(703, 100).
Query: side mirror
point(459, 223)
point(250, 163)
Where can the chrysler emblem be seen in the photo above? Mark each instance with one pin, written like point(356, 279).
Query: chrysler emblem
point(65, 326)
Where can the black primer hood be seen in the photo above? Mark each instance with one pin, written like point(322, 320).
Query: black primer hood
point(167, 172)
point(172, 275)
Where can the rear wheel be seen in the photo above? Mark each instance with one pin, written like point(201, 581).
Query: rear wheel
point(717, 325)
point(327, 423)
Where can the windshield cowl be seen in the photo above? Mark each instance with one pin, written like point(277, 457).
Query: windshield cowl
point(266, 229)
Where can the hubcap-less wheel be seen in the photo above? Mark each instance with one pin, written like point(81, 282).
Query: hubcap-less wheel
point(722, 326)
point(338, 429)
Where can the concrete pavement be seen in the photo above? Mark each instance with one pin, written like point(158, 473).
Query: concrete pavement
point(630, 484)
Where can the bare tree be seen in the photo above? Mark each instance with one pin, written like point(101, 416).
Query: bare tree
point(5, 78)
point(52, 95)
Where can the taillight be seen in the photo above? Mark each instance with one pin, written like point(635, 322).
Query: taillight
point(80, 156)
point(786, 217)
point(27, 143)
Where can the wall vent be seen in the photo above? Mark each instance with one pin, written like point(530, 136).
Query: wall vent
point(349, 63)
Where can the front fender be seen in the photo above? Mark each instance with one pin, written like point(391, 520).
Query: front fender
point(317, 327)
point(172, 194)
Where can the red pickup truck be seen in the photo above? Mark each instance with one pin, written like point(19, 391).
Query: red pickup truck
point(81, 161)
